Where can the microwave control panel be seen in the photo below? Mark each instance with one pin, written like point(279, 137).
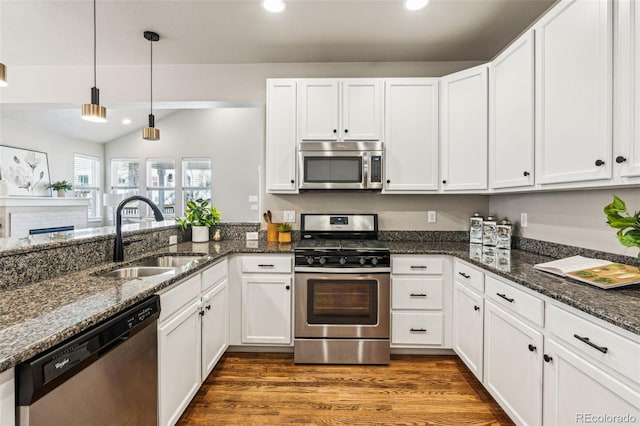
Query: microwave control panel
point(376, 168)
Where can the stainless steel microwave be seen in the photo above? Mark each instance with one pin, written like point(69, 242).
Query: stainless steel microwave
point(340, 165)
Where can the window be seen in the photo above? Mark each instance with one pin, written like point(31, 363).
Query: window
point(86, 182)
point(125, 180)
point(161, 183)
point(196, 179)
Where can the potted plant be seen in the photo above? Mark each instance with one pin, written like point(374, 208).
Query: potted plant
point(628, 226)
point(201, 216)
point(61, 187)
point(284, 233)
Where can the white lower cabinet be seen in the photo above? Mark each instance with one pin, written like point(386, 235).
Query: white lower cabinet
point(468, 327)
point(179, 354)
point(513, 365)
point(266, 310)
point(192, 336)
point(7, 398)
point(576, 391)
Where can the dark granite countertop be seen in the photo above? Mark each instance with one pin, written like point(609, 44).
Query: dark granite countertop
point(38, 316)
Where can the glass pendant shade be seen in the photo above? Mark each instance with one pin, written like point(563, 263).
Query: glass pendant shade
point(3, 75)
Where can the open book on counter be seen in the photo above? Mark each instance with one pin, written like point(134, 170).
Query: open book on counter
point(597, 272)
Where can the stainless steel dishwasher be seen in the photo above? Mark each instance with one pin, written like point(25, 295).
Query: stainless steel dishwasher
point(107, 375)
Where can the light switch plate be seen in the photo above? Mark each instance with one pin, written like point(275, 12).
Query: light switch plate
point(173, 239)
point(289, 216)
point(524, 222)
point(431, 216)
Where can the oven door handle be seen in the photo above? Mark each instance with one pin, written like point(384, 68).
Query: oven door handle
point(321, 270)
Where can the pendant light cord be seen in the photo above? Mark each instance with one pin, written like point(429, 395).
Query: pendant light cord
point(94, 46)
point(151, 67)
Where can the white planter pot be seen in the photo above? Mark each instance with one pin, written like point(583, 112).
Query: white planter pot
point(199, 234)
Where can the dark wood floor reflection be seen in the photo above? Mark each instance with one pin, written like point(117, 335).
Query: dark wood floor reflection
point(263, 389)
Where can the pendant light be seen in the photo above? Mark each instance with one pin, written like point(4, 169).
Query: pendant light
point(94, 111)
point(3, 75)
point(151, 133)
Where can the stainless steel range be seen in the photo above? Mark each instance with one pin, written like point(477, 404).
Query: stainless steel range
point(342, 291)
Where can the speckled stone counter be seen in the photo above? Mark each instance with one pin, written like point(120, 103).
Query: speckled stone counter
point(37, 316)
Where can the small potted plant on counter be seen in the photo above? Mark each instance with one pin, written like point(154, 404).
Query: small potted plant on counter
point(61, 187)
point(201, 216)
point(284, 233)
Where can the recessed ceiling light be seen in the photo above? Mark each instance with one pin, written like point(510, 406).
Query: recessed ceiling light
point(126, 121)
point(275, 6)
point(415, 4)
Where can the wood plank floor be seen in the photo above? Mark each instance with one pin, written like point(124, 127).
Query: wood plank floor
point(259, 389)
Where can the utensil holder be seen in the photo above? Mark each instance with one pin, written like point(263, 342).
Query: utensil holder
point(272, 232)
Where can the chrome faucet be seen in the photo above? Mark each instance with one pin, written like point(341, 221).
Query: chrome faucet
point(118, 250)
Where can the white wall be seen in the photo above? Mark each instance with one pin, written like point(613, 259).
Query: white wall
point(573, 217)
point(59, 149)
point(231, 137)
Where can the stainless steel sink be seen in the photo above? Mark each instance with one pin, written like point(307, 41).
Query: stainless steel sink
point(170, 261)
point(138, 271)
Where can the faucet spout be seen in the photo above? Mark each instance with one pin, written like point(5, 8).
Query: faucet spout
point(118, 249)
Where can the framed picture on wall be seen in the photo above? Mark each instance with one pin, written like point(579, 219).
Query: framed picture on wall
point(24, 172)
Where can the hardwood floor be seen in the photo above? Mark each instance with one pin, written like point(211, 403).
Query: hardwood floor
point(258, 389)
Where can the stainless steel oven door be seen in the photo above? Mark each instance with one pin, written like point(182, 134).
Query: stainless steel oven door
point(342, 305)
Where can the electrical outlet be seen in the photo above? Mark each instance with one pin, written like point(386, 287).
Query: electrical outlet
point(431, 216)
point(253, 198)
point(289, 216)
point(173, 239)
point(252, 236)
point(523, 220)
point(253, 207)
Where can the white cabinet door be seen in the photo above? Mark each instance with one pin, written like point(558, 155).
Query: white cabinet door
point(7, 398)
point(511, 115)
point(513, 365)
point(318, 111)
point(361, 110)
point(463, 124)
point(178, 362)
point(468, 325)
point(280, 154)
point(575, 388)
point(626, 110)
point(215, 328)
point(266, 309)
point(573, 92)
point(411, 135)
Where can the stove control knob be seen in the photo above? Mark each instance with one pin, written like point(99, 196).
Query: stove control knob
point(363, 260)
point(343, 260)
point(309, 260)
point(374, 260)
point(322, 260)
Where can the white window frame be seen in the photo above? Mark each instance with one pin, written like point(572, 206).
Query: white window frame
point(166, 210)
point(94, 213)
point(131, 210)
point(185, 188)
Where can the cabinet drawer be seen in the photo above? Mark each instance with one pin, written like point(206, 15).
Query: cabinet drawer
point(416, 265)
point(614, 351)
point(275, 264)
point(214, 275)
point(178, 296)
point(416, 293)
point(509, 297)
point(416, 328)
point(468, 275)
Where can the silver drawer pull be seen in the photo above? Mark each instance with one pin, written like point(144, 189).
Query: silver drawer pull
point(504, 296)
point(586, 340)
point(266, 266)
point(464, 275)
point(418, 295)
point(420, 330)
point(418, 267)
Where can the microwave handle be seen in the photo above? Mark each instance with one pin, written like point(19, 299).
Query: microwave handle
point(365, 171)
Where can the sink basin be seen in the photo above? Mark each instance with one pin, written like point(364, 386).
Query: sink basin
point(138, 271)
point(169, 261)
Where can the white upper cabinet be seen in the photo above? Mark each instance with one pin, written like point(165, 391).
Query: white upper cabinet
point(463, 121)
point(574, 92)
point(411, 135)
point(340, 110)
point(511, 115)
point(626, 112)
point(280, 153)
